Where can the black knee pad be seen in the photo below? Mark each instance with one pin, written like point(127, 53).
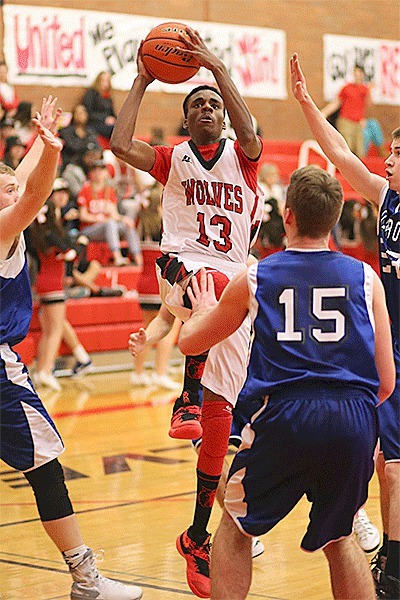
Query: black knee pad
point(48, 484)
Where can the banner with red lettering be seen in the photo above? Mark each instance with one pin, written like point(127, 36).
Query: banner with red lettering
point(379, 58)
point(62, 47)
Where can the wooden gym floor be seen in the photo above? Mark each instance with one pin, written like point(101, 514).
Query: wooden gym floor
point(133, 490)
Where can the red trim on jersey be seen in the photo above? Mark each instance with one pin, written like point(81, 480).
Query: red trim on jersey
point(162, 164)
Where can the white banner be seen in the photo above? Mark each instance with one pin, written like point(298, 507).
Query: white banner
point(61, 47)
point(379, 58)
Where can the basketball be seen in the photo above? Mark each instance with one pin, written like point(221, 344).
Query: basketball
point(164, 55)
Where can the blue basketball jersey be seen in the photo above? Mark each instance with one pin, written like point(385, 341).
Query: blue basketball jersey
point(313, 323)
point(389, 254)
point(15, 296)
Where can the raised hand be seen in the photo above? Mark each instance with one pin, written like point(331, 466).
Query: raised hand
point(298, 81)
point(137, 342)
point(49, 115)
point(197, 48)
point(47, 136)
point(203, 296)
point(140, 66)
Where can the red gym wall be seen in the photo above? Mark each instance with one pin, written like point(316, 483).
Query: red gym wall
point(305, 22)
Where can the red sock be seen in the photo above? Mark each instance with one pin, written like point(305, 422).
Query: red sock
point(216, 420)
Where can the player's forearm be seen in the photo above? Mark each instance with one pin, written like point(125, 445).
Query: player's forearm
point(125, 124)
point(157, 329)
point(192, 337)
point(238, 112)
point(28, 163)
point(40, 182)
point(330, 140)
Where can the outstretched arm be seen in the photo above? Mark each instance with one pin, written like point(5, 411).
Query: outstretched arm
point(212, 321)
point(15, 218)
point(332, 142)
point(49, 116)
point(238, 112)
point(136, 153)
point(156, 330)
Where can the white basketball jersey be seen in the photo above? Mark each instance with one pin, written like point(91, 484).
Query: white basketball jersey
point(208, 208)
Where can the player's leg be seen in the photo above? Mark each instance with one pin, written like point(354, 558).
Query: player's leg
point(349, 571)
point(231, 562)
point(194, 543)
point(386, 565)
point(32, 444)
point(51, 315)
point(61, 525)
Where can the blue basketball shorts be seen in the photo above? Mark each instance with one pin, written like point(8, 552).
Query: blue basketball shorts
point(319, 443)
point(28, 436)
point(389, 418)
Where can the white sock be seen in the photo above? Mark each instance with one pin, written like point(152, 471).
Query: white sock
point(80, 354)
point(74, 556)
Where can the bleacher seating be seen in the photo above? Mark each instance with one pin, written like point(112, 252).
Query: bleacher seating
point(102, 324)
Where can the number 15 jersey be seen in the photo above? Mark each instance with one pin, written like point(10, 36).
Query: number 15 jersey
point(210, 207)
point(313, 323)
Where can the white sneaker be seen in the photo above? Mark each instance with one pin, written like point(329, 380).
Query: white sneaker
point(164, 381)
point(257, 547)
point(367, 535)
point(88, 583)
point(140, 379)
point(46, 379)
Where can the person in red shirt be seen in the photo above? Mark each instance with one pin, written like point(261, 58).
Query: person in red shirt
point(352, 102)
point(100, 219)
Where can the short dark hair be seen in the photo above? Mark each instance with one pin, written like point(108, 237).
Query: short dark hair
point(396, 133)
point(198, 89)
point(316, 199)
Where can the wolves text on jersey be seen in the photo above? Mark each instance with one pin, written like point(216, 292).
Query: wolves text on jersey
point(214, 193)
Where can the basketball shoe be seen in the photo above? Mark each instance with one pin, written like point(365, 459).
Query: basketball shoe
point(389, 588)
point(257, 547)
point(197, 558)
point(88, 583)
point(185, 422)
point(367, 535)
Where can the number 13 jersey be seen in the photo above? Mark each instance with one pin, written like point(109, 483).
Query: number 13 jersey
point(210, 207)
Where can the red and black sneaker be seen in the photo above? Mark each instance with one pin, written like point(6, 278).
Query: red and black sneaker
point(197, 558)
point(185, 423)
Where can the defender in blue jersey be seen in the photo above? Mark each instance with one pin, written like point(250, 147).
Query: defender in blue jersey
point(320, 362)
point(384, 194)
point(29, 440)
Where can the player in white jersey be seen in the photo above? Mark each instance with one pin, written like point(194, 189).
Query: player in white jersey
point(210, 213)
point(29, 439)
point(384, 194)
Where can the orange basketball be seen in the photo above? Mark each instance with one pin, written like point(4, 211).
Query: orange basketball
point(164, 55)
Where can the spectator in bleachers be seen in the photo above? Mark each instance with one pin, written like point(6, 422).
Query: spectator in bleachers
point(100, 219)
point(6, 131)
point(269, 180)
point(76, 172)
point(53, 248)
point(99, 105)
point(77, 135)
point(14, 151)
point(23, 123)
point(352, 102)
point(8, 96)
point(271, 237)
point(150, 215)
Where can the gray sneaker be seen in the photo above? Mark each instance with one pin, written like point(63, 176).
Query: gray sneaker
point(89, 584)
